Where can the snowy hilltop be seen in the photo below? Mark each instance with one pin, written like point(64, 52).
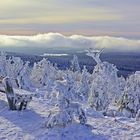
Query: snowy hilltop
point(45, 103)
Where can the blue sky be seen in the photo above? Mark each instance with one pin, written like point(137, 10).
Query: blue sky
point(85, 17)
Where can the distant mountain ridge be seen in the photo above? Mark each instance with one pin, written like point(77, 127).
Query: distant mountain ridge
point(126, 62)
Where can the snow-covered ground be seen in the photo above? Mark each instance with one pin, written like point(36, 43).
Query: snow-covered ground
point(67, 105)
point(30, 125)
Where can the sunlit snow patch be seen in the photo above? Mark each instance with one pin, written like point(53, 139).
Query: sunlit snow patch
point(48, 54)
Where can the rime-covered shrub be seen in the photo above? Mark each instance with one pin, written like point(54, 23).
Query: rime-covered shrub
point(3, 62)
point(75, 64)
point(106, 73)
point(43, 73)
point(68, 110)
point(130, 102)
point(105, 86)
point(84, 89)
point(16, 70)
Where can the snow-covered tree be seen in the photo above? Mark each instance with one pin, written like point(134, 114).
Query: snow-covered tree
point(14, 66)
point(43, 73)
point(95, 54)
point(122, 83)
point(84, 85)
point(3, 62)
point(68, 110)
point(75, 64)
point(130, 102)
point(39, 72)
point(72, 87)
point(105, 85)
point(98, 98)
point(24, 77)
point(16, 70)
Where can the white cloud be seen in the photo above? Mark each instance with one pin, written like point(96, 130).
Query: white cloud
point(59, 40)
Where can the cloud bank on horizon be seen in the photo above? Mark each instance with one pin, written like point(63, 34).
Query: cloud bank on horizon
point(55, 40)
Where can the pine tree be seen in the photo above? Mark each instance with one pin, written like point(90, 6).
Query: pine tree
point(105, 85)
point(43, 73)
point(13, 67)
point(84, 85)
point(130, 102)
point(67, 108)
point(75, 64)
point(24, 77)
point(3, 62)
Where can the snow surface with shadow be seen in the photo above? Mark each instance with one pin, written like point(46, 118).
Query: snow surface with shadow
point(30, 125)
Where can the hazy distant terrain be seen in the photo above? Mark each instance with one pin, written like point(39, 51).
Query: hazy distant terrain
point(126, 62)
